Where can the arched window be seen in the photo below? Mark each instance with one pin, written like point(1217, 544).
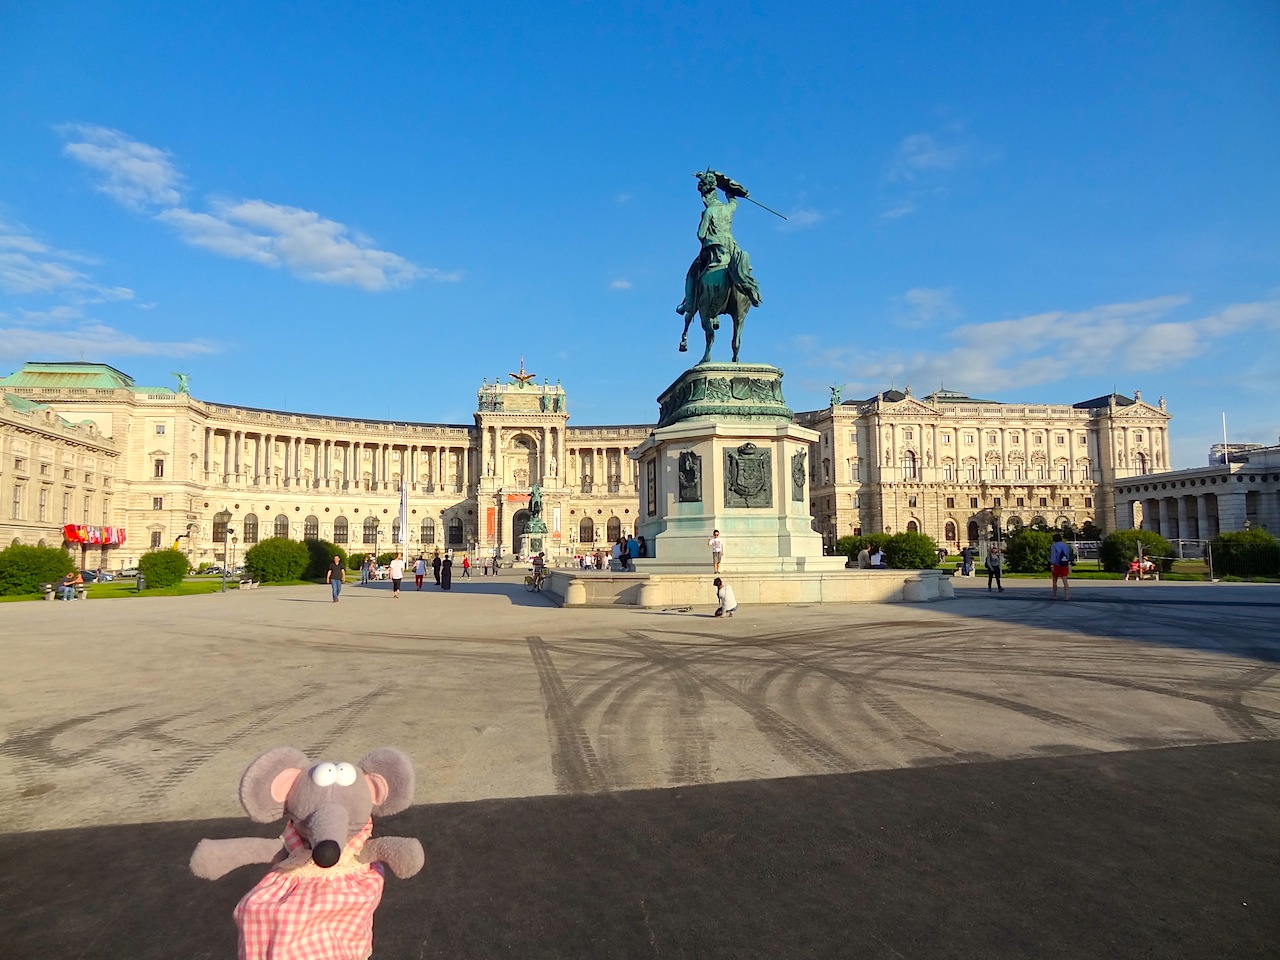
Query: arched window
point(587, 531)
point(913, 527)
point(282, 526)
point(370, 530)
point(311, 528)
point(250, 527)
point(455, 532)
point(340, 530)
point(1140, 462)
point(428, 532)
point(220, 521)
point(951, 531)
point(973, 531)
point(613, 530)
point(1014, 524)
point(908, 466)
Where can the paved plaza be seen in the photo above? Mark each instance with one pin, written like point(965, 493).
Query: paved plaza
point(995, 776)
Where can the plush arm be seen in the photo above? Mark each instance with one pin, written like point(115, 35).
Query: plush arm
point(402, 854)
point(215, 858)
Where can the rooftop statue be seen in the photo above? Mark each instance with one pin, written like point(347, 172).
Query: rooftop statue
point(184, 382)
point(719, 281)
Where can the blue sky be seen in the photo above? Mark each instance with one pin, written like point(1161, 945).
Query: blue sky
point(365, 209)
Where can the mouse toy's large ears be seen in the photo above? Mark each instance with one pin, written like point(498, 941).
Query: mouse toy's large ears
point(266, 783)
point(391, 779)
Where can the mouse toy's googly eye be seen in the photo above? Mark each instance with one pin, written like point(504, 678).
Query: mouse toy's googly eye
point(346, 774)
point(323, 774)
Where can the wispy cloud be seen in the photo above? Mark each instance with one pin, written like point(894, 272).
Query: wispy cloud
point(310, 246)
point(620, 285)
point(93, 340)
point(899, 210)
point(136, 174)
point(922, 163)
point(923, 152)
point(30, 266)
point(1001, 355)
point(920, 306)
point(802, 218)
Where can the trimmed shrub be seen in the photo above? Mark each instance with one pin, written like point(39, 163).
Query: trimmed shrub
point(911, 551)
point(1027, 551)
point(277, 560)
point(385, 558)
point(1245, 553)
point(164, 568)
point(852, 546)
point(23, 569)
point(1119, 548)
point(322, 553)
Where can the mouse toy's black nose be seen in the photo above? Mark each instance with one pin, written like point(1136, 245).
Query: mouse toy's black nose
point(326, 853)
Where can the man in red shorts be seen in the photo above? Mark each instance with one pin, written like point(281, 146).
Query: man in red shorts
point(1060, 566)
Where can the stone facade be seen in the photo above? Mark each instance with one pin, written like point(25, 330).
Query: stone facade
point(938, 464)
point(166, 465)
point(1199, 503)
point(54, 472)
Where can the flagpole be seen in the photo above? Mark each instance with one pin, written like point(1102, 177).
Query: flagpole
point(1226, 450)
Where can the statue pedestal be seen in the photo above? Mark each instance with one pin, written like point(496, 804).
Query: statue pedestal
point(534, 540)
point(727, 456)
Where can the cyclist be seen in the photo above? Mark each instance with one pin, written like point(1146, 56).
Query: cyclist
point(539, 569)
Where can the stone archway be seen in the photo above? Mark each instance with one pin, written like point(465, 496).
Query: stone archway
point(519, 523)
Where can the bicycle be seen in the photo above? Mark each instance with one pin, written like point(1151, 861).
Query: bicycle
point(533, 582)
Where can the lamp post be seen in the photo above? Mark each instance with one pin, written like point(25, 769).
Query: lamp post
point(995, 523)
point(230, 537)
point(234, 542)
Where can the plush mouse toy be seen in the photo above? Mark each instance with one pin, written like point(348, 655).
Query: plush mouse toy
point(318, 901)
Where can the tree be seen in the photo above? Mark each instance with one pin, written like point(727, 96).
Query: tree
point(1091, 531)
point(1027, 551)
point(1119, 549)
point(163, 568)
point(911, 551)
point(23, 569)
point(277, 560)
point(852, 546)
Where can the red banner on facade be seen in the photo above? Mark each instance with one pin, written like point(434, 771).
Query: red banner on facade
point(518, 498)
point(491, 522)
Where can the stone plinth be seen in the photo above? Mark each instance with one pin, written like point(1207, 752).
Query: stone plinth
point(726, 456)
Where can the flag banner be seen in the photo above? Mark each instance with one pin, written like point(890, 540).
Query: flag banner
point(404, 512)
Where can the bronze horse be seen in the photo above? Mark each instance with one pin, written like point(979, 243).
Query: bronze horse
point(717, 293)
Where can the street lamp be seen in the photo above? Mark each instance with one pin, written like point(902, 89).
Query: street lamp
point(230, 536)
point(995, 517)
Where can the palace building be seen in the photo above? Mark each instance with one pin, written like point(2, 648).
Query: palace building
point(82, 444)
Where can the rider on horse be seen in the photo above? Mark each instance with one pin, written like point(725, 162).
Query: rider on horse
point(719, 249)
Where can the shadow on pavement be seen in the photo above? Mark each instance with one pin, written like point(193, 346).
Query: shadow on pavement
point(1168, 853)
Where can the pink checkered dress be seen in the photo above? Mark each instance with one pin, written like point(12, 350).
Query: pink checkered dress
point(312, 913)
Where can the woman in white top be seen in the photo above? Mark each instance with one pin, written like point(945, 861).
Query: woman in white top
point(728, 602)
point(717, 550)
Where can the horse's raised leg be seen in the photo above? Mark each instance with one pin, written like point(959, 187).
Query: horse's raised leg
point(684, 337)
point(710, 330)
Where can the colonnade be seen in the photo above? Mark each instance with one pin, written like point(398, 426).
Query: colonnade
point(336, 464)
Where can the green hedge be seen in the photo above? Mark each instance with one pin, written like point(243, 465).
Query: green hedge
point(164, 568)
point(23, 569)
point(1245, 553)
point(277, 560)
point(1027, 551)
point(911, 551)
point(852, 546)
point(1119, 549)
point(322, 553)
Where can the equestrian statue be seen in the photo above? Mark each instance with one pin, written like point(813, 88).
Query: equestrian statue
point(719, 281)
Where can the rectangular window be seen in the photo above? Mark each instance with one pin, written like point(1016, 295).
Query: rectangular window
point(991, 437)
point(1017, 471)
point(995, 472)
point(951, 502)
point(157, 503)
point(43, 505)
point(66, 508)
point(155, 539)
point(996, 502)
point(1060, 439)
point(973, 503)
point(946, 438)
point(913, 501)
point(1022, 501)
point(66, 473)
point(85, 514)
point(1062, 472)
point(1015, 439)
point(969, 438)
point(19, 464)
point(1044, 501)
point(1088, 502)
point(44, 469)
point(857, 500)
point(907, 435)
point(1066, 501)
point(88, 478)
point(219, 531)
point(1081, 440)
point(972, 470)
point(159, 429)
point(159, 469)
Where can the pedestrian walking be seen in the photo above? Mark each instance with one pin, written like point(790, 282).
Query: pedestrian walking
point(397, 574)
point(484, 566)
point(446, 573)
point(334, 577)
point(419, 571)
point(435, 567)
point(993, 563)
point(365, 564)
point(717, 550)
point(1060, 566)
point(724, 595)
point(466, 567)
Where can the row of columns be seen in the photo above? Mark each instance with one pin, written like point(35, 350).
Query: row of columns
point(593, 463)
point(446, 466)
point(1197, 516)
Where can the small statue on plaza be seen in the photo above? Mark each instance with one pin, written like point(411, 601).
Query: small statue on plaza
point(719, 281)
